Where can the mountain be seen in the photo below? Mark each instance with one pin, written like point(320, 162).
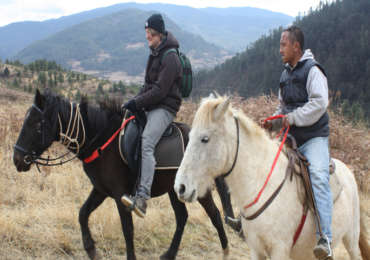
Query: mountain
point(115, 43)
point(231, 28)
point(338, 33)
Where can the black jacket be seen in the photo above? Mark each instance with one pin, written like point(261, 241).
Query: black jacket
point(162, 79)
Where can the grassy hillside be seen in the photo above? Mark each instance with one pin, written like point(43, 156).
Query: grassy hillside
point(44, 74)
point(39, 211)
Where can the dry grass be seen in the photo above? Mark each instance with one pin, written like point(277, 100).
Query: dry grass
point(39, 211)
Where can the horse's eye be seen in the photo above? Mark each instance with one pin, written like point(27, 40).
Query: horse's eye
point(205, 139)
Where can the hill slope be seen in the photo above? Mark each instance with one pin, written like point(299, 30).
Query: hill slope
point(343, 51)
point(217, 25)
point(115, 43)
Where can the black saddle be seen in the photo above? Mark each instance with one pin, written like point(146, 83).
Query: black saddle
point(169, 150)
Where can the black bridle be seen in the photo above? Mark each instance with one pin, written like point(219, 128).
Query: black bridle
point(237, 149)
point(32, 156)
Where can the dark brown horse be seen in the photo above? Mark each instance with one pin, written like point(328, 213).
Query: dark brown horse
point(83, 128)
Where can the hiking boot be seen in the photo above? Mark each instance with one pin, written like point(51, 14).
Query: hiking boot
point(137, 203)
point(140, 206)
point(322, 250)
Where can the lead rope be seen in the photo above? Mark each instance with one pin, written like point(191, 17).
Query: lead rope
point(66, 138)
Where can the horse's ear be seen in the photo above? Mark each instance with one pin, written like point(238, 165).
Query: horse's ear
point(221, 109)
point(39, 99)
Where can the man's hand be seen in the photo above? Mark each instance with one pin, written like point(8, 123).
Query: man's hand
point(266, 124)
point(285, 122)
point(130, 105)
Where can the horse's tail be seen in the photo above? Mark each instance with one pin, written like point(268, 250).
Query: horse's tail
point(364, 235)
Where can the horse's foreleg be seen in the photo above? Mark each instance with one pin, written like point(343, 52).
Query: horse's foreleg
point(214, 214)
point(181, 215)
point(257, 256)
point(224, 193)
point(280, 253)
point(127, 228)
point(227, 207)
point(93, 201)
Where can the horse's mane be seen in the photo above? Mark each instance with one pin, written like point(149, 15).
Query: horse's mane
point(208, 106)
point(110, 105)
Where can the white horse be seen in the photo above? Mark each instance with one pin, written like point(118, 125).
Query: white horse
point(213, 150)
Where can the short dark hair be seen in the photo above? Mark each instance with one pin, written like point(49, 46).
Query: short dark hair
point(295, 34)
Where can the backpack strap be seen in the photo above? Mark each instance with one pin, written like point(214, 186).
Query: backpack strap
point(167, 52)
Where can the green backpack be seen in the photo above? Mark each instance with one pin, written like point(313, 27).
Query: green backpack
point(187, 74)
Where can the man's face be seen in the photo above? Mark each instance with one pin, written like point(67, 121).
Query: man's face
point(153, 40)
point(287, 49)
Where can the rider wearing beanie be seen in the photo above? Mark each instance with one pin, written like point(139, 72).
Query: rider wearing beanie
point(160, 99)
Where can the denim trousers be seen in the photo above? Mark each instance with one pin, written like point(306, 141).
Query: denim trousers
point(157, 122)
point(316, 151)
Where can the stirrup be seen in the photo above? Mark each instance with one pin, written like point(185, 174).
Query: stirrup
point(128, 201)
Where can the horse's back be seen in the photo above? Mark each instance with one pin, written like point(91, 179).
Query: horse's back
point(346, 177)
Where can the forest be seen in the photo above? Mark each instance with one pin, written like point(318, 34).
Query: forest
point(338, 33)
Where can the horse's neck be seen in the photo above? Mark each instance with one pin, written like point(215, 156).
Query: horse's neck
point(252, 169)
point(72, 130)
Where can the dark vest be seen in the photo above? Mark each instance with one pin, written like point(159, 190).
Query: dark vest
point(294, 94)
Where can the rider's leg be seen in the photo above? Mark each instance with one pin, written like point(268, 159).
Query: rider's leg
point(157, 122)
point(316, 151)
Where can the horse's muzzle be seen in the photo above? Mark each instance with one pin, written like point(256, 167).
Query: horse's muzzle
point(21, 162)
point(184, 195)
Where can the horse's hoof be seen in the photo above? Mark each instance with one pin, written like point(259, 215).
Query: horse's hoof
point(226, 253)
point(93, 255)
point(166, 256)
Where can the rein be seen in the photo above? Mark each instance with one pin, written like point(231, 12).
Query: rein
point(97, 152)
point(237, 149)
point(268, 202)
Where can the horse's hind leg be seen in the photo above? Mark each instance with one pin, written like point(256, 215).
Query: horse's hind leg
point(127, 228)
point(93, 201)
point(214, 214)
point(181, 215)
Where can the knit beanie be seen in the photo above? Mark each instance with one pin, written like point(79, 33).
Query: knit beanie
point(155, 22)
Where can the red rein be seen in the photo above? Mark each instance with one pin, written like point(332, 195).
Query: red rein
point(275, 160)
point(98, 151)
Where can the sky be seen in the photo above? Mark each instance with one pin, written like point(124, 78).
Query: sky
point(38, 10)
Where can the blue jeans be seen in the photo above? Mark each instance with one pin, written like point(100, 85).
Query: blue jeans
point(316, 151)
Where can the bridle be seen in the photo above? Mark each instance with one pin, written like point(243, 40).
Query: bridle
point(69, 139)
point(237, 149)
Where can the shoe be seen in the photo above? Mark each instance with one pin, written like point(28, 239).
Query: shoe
point(140, 206)
point(136, 203)
point(322, 250)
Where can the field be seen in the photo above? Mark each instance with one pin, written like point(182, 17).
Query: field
point(39, 211)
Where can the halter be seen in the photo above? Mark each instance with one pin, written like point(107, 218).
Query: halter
point(237, 149)
point(66, 139)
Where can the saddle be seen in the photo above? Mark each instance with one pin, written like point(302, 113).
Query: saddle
point(298, 165)
point(168, 152)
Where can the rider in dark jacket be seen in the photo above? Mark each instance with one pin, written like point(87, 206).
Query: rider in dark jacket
point(160, 98)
